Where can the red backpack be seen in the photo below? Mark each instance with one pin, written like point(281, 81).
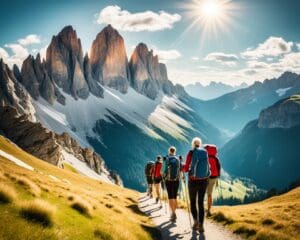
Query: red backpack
point(157, 170)
point(214, 163)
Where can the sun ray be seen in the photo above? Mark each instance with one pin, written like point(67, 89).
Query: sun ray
point(210, 17)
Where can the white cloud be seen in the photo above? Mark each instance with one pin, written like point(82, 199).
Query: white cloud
point(43, 52)
point(30, 39)
point(135, 22)
point(223, 58)
point(166, 55)
point(257, 64)
point(195, 58)
point(291, 62)
point(298, 46)
point(249, 72)
point(19, 54)
point(3, 54)
point(272, 47)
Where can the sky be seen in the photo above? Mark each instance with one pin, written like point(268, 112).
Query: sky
point(229, 41)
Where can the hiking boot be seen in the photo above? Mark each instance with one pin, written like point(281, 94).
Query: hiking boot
point(200, 228)
point(173, 217)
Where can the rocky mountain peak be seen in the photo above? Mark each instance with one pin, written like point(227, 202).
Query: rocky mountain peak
point(148, 75)
point(13, 94)
point(283, 114)
point(108, 59)
point(64, 60)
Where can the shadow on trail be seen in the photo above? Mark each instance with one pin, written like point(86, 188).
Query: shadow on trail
point(153, 231)
point(135, 209)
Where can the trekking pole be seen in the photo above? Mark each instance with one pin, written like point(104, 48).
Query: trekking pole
point(165, 196)
point(187, 199)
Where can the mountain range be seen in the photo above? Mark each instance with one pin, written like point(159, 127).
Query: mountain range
point(232, 111)
point(266, 150)
point(212, 90)
point(103, 101)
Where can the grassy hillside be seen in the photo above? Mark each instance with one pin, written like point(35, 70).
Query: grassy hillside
point(51, 203)
point(277, 218)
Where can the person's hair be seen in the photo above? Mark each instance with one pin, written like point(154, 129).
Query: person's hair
point(158, 157)
point(197, 142)
point(172, 150)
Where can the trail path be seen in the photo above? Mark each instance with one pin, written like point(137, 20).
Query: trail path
point(181, 229)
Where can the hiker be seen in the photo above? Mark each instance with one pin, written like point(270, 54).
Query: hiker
point(171, 173)
point(148, 174)
point(197, 167)
point(157, 178)
point(215, 170)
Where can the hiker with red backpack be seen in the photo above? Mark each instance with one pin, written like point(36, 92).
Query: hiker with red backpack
point(215, 170)
point(198, 170)
point(171, 173)
point(157, 178)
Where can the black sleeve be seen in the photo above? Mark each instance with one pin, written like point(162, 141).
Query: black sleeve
point(218, 165)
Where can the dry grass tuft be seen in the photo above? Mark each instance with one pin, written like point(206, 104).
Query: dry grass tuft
point(109, 205)
point(100, 234)
point(30, 185)
point(82, 206)
point(7, 194)
point(268, 221)
point(220, 217)
point(38, 211)
point(243, 230)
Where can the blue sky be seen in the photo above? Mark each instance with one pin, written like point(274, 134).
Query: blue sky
point(256, 39)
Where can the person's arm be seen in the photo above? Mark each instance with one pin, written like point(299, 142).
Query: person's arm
point(188, 161)
point(218, 166)
point(164, 166)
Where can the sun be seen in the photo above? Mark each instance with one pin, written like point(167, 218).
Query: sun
point(210, 9)
point(211, 17)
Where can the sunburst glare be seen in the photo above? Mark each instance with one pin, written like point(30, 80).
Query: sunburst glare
point(210, 17)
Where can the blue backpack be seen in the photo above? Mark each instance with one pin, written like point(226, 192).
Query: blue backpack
point(172, 168)
point(199, 166)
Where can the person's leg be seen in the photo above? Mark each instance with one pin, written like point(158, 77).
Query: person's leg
point(192, 195)
point(209, 191)
point(201, 194)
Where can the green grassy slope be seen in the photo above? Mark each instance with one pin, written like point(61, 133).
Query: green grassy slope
point(107, 211)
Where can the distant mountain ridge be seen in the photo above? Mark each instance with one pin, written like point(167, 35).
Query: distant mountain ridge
point(233, 110)
point(212, 90)
point(266, 150)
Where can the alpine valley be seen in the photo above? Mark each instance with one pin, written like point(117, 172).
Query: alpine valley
point(107, 114)
point(73, 107)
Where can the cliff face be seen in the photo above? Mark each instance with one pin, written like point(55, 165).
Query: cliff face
point(108, 59)
point(47, 145)
point(12, 92)
point(283, 114)
point(148, 76)
point(64, 62)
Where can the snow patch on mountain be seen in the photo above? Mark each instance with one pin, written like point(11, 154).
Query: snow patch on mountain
point(83, 168)
point(78, 117)
point(168, 121)
point(15, 160)
point(282, 91)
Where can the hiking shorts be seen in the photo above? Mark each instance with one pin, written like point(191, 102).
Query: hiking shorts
point(210, 186)
point(172, 189)
point(149, 180)
point(157, 180)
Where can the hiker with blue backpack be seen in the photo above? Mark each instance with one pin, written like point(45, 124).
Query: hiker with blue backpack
point(197, 166)
point(171, 173)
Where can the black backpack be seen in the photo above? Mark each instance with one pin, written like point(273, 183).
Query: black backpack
point(148, 168)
